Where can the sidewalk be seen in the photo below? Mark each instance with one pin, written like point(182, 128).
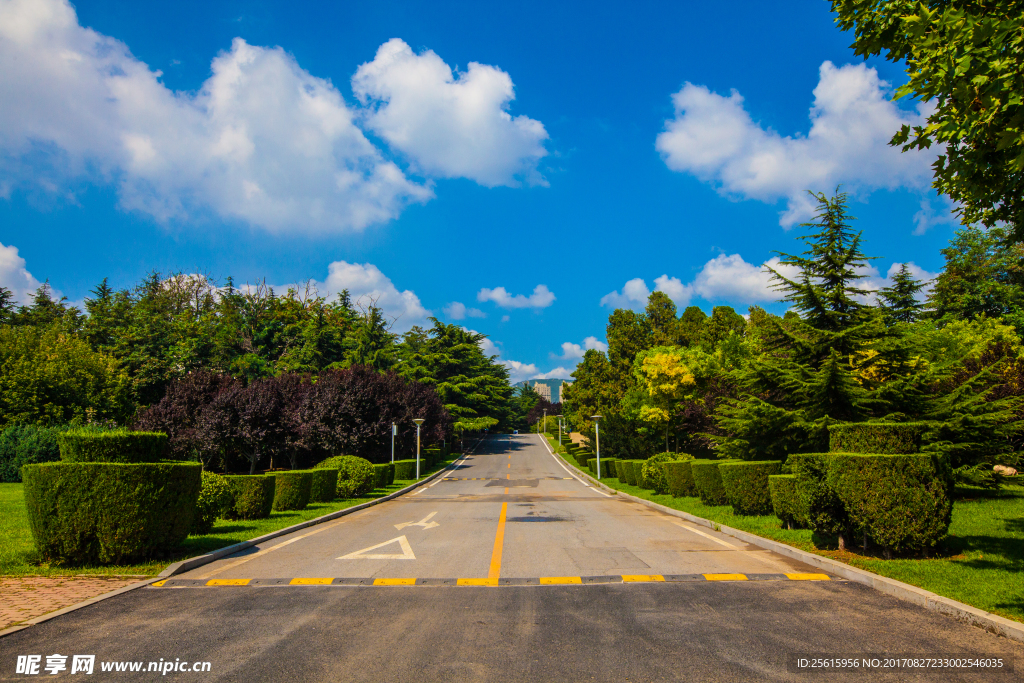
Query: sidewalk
point(33, 596)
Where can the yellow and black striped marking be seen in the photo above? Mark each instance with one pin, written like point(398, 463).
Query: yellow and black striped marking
point(540, 581)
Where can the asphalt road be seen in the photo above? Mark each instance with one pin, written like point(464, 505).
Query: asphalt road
point(511, 513)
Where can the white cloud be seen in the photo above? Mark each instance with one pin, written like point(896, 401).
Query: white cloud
point(449, 125)
point(874, 281)
point(15, 276)
point(557, 373)
point(634, 295)
point(852, 119)
point(517, 372)
point(571, 351)
point(542, 297)
point(457, 310)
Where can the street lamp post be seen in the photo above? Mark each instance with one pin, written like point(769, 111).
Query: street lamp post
point(597, 441)
point(559, 431)
point(418, 421)
point(394, 432)
point(545, 427)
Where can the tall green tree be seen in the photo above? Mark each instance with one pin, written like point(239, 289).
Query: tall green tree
point(899, 301)
point(966, 56)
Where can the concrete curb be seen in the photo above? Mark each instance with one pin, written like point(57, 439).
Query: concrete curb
point(992, 623)
point(199, 561)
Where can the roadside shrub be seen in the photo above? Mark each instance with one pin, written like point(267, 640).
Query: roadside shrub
point(746, 485)
point(292, 489)
point(25, 445)
point(109, 513)
point(592, 465)
point(708, 481)
point(252, 496)
point(355, 475)
point(825, 512)
point(214, 501)
point(902, 502)
point(652, 476)
point(786, 501)
point(679, 476)
point(608, 467)
point(876, 437)
point(117, 445)
point(630, 470)
point(405, 469)
point(381, 474)
point(324, 486)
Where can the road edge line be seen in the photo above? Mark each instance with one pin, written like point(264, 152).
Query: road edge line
point(962, 612)
point(199, 561)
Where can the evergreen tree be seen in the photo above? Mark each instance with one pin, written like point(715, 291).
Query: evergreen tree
point(370, 342)
point(6, 306)
point(899, 302)
point(661, 317)
point(690, 325)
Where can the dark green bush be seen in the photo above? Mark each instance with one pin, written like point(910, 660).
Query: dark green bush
point(109, 513)
point(631, 470)
point(825, 512)
point(652, 476)
point(746, 485)
point(680, 477)
point(405, 469)
point(118, 445)
point(902, 502)
point(252, 496)
point(592, 465)
point(292, 489)
point(786, 502)
point(214, 501)
point(708, 481)
point(381, 474)
point(26, 445)
point(876, 437)
point(324, 486)
point(355, 474)
point(608, 467)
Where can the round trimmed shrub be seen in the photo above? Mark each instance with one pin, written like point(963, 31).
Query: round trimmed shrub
point(252, 496)
point(708, 481)
point(214, 501)
point(292, 489)
point(786, 502)
point(117, 445)
point(651, 474)
point(746, 485)
point(109, 513)
point(355, 474)
point(324, 486)
point(679, 476)
point(902, 502)
point(405, 469)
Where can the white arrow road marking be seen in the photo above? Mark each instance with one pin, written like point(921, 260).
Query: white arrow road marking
point(365, 554)
point(425, 523)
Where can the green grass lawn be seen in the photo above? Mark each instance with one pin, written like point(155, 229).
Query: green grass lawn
point(18, 555)
point(981, 562)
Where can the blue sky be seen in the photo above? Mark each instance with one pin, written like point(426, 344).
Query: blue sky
point(519, 168)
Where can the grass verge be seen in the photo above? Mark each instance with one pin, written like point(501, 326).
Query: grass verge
point(981, 562)
point(18, 555)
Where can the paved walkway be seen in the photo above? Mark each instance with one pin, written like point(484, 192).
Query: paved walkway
point(33, 596)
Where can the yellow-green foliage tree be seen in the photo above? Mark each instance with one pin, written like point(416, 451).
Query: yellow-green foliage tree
point(48, 376)
point(671, 377)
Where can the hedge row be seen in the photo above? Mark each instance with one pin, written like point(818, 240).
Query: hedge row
point(109, 513)
point(292, 489)
point(746, 485)
point(384, 475)
point(324, 486)
point(119, 445)
point(876, 437)
point(26, 445)
point(786, 501)
point(405, 469)
point(707, 479)
point(252, 496)
point(214, 501)
point(680, 477)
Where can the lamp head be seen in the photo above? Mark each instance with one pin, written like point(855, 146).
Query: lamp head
point(418, 421)
point(595, 418)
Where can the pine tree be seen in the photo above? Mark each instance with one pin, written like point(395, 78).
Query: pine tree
point(899, 302)
point(6, 305)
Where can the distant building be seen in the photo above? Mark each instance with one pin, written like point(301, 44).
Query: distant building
point(549, 389)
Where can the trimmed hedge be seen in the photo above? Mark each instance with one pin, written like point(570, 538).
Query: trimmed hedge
point(626, 472)
point(26, 445)
point(252, 496)
point(382, 475)
point(679, 478)
point(608, 467)
point(825, 512)
point(708, 481)
point(292, 489)
point(119, 445)
point(214, 501)
point(902, 502)
point(746, 485)
point(355, 474)
point(109, 513)
point(405, 469)
point(324, 486)
point(786, 502)
point(876, 437)
point(651, 474)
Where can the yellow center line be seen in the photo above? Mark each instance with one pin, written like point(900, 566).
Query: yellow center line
point(506, 490)
point(499, 541)
point(508, 476)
